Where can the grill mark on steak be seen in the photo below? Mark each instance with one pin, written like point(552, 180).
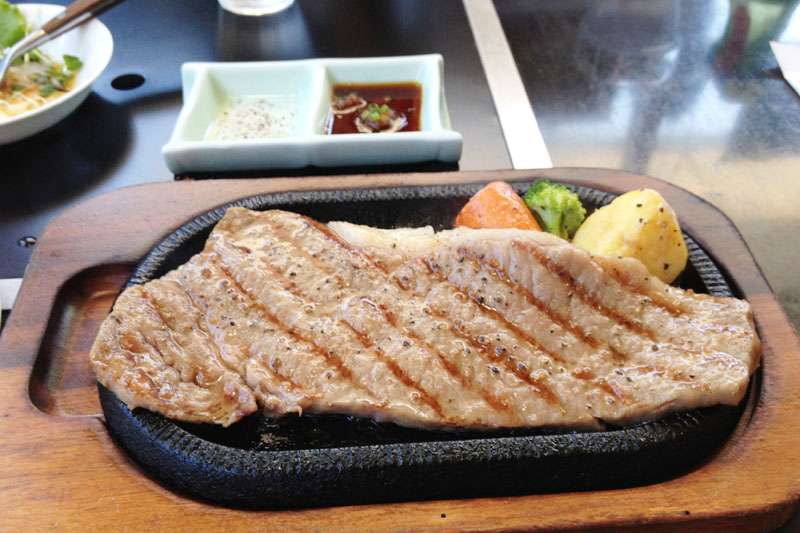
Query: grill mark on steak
point(654, 299)
point(397, 371)
point(637, 328)
point(331, 236)
point(310, 258)
point(377, 268)
point(500, 276)
point(460, 327)
point(275, 370)
point(529, 297)
point(496, 403)
point(514, 363)
point(582, 336)
point(579, 335)
point(365, 341)
point(329, 355)
point(678, 307)
point(566, 277)
point(199, 300)
point(154, 306)
point(463, 331)
point(199, 305)
point(601, 383)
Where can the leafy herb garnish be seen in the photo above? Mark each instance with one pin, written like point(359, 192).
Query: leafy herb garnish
point(46, 90)
point(12, 24)
point(72, 63)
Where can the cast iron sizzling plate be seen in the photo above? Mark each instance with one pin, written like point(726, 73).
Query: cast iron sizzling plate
point(312, 461)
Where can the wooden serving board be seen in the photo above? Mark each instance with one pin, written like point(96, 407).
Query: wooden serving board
point(59, 468)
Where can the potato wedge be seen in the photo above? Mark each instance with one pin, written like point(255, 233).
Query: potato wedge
point(637, 224)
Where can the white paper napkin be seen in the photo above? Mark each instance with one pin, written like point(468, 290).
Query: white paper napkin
point(789, 60)
point(8, 292)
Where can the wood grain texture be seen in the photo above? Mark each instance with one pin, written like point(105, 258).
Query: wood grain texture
point(60, 469)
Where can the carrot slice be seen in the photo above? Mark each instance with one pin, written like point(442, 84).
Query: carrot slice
point(496, 206)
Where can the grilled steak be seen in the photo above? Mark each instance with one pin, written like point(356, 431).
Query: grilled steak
point(462, 328)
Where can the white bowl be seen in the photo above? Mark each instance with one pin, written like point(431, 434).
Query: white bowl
point(91, 43)
point(208, 87)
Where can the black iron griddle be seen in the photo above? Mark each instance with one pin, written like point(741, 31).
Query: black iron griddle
point(311, 461)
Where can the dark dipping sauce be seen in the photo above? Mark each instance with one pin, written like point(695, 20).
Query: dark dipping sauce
point(351, 101)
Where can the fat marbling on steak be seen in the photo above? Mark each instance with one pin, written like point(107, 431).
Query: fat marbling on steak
point(461, 328)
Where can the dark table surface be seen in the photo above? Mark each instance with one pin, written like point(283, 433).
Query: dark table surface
point(115, 137)
point(683, 90)
point(686, 91)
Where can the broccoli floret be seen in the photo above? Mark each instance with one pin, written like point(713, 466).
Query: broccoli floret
point(557, 209)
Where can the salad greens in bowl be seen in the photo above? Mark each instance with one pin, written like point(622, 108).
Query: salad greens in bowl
point(46, 84)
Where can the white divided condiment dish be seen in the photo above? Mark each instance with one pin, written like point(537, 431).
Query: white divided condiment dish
point(208, 88)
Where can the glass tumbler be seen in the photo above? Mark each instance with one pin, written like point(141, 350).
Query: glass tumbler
point(255, 7)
